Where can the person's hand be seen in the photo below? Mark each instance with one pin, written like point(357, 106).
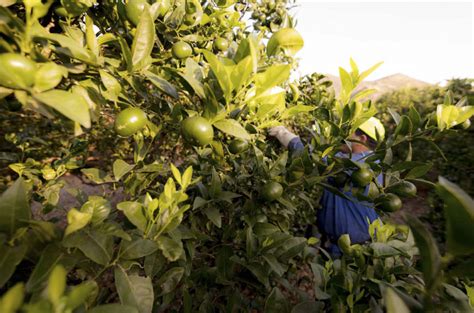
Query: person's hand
point(281, 133)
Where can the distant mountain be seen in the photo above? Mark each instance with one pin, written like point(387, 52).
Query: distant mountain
point(383, 85)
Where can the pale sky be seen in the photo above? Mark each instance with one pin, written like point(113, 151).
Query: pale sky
point(430, 41)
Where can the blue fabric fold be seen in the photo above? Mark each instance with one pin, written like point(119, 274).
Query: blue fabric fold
point(337, 215)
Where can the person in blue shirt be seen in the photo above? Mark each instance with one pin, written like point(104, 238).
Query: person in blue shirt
point(338, 215)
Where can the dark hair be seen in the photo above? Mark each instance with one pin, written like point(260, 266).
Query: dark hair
point(371, 143)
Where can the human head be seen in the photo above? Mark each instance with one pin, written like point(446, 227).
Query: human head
point(366, 136)
point(359, 142)
point(373, 128)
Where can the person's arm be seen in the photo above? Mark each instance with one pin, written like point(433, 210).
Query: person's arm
point(286, 138)
point(295, 144)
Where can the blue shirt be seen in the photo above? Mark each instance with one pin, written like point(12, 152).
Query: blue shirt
point(337, 215)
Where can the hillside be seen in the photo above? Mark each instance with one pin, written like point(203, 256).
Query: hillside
point(383, 85)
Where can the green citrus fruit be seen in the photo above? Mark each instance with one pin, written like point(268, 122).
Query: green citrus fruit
point(181, 50)
point(403, 189)
point(361, 177)
point(272, 191)
point(287, 39)
point(238, 146)
point(221, 44)
point(130, 121)
point(388, 202)
point(16, 71)
point(197, 130)
point(134, 10)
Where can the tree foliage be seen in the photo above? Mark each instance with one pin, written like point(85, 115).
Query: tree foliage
point(194, 232)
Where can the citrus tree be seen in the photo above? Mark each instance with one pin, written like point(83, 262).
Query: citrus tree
point(169, 103)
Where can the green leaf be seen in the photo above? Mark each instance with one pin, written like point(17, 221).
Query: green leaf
point(170, 280)
point(241, 73)
point(224, 263)
point(171, 249)
point(112, 85)
point(10, 257)
point(162, 84)
point(276, 266)
point(279, 165)
point(470, 294)
point(291, 248)
point(419, 171)
point(176, 173)
point(459, 212)
point(381, 249)
point(213, 215)
point(71, 105)
point(232, 127)
point(308, 306)
point(12, 300)
point(114, 229)
point(134, 212)
point(446, 116)
point(265, 229)
point(143, 41)
point(276, 302)
point(187, 177)
point(137, 248)
point(273, 76)
point(215, 187)
point(414, 116)
point(96, 246)
point(56, 284)
point(76, 220)
point(80, 294)
point(430, 256)
point(50, 257)
point(113, 308)
point(121, 168)
point(126, 53)
point(99, 208)
point(14, 207)
point(135, 291)
point(361, 94)
point(355, 71)
point(346, 81)
point(91, 39)
point(193, 76)
point(199, 202)
point(96, 175)
point(271, 104)
point(153, 264)
point(393, 302)
point(69, 46)
point(366, 73)
point(220, 72)
point(297, 109)
point(465, 113)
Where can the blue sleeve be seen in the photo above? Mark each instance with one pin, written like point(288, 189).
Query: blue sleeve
point(295, 145)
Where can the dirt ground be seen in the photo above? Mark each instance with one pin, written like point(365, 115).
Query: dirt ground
point(67, 200)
